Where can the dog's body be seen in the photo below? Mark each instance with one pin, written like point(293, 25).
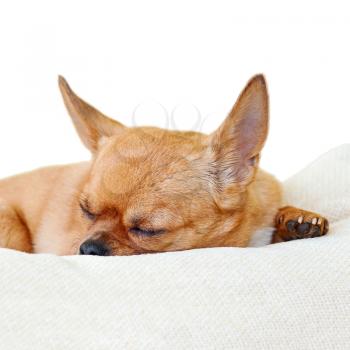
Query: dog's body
point(152, 190)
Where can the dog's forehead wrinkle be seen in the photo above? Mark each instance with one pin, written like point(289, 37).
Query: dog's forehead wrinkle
point(155, 142)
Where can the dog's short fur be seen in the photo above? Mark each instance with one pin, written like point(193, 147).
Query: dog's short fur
point(152, 190)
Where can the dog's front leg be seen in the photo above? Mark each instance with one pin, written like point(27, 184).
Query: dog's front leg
point(13, 232)
point(294, 223)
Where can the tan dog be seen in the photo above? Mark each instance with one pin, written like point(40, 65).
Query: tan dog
point(153, 190)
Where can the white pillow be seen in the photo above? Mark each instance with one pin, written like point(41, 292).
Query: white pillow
point(323, 186)
point(293, 295)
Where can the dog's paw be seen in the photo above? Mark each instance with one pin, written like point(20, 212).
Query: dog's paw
point(293, 223)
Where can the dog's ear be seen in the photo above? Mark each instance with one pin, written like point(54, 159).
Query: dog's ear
point(236, 145)
point(91, 125)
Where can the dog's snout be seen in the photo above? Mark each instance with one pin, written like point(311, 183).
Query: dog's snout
point(94, 247)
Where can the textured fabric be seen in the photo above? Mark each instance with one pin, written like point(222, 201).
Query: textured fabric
point(293, 295)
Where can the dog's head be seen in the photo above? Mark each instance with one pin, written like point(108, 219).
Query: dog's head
point(155, 190)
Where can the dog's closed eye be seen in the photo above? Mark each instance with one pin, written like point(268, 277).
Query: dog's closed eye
point(145, 232)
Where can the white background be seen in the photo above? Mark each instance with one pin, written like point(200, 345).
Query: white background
point(180, 56)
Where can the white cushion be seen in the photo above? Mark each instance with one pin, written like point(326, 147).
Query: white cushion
point(293, 295)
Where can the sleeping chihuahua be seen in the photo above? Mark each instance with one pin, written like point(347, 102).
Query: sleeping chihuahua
point(151, 190)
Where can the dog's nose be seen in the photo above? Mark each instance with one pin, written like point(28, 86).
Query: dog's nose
point(94, 247)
